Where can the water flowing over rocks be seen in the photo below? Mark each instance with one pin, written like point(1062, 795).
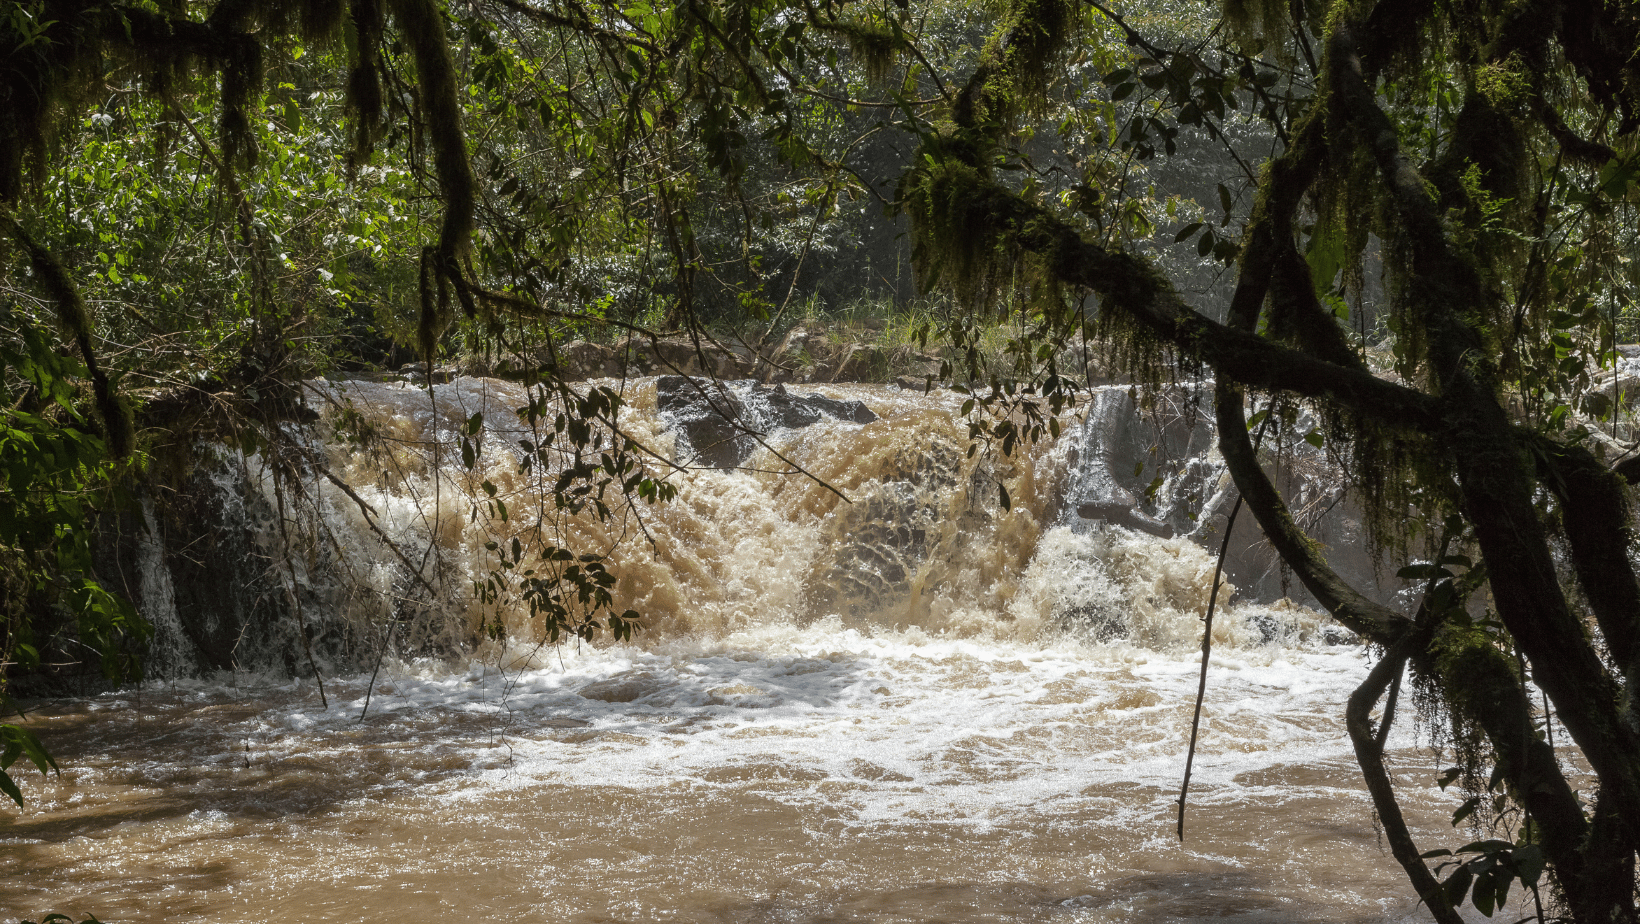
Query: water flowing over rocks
point(861, 502)
point(859, 677)
point(204, 564)
point(722, 422)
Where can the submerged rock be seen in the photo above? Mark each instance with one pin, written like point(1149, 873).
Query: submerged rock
point(782, 409)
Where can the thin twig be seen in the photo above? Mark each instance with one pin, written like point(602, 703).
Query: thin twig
point(290, 571)
point(1207, 651)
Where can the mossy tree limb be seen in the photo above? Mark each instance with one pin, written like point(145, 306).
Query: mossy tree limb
point(118, 424)
point(963, 217)
point(1493, 469)
point(1369, 753)
point(1597, 520)
point(422, 24)
point(1346, 604)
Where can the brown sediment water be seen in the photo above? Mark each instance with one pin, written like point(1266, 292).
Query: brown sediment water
point(885, 708)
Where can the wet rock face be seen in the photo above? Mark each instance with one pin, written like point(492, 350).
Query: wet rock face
point(1154, 469)
point(710, 417)
point(719, 420)
point(782, 409)
point(1120, 459)
point(203, 569)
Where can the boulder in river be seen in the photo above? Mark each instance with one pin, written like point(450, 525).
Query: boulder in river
point(720, 420)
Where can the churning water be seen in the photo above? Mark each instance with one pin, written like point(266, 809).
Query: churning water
point(911, 705)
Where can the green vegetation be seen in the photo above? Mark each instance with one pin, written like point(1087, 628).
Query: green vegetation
point(1426, 214)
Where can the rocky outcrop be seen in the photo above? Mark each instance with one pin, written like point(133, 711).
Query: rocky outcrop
point(778, 408)
point(709, 416)
point(1154, 469)
point(720, 422)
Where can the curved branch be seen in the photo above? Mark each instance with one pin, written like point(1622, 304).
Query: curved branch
point(1347, 605)
point(1595, 514)
point(1492, 466)
point(1369, 753)
point(118, 424)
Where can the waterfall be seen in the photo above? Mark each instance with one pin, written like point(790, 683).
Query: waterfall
point(864, 688)
point(862, 503)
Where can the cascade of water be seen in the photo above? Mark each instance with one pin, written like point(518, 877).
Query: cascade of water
point(170, 652)
point(867, 692)
point(861, 502)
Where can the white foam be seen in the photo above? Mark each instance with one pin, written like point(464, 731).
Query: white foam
point(961, 731)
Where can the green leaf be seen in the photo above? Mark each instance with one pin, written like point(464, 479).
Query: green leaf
point(1457, 886)
point(1529, 863)
point(1187, 231)
point(1485, 893)
point(9, 787)
point(1490, 845)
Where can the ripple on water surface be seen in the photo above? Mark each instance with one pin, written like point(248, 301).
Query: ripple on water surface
point(778, 774)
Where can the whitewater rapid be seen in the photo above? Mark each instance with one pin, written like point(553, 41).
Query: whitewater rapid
point(897, 701)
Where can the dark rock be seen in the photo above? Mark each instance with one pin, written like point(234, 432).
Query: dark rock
point(710, 416)
point(1271, 628)
point(1100, 623)
point(1338, 635)
point(719, 422)
point(1125, 514)
point(788, 411)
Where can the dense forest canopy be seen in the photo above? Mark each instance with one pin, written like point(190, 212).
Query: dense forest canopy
point(1422, 214)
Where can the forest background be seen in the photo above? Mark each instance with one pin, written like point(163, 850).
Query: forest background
point(1415, 219)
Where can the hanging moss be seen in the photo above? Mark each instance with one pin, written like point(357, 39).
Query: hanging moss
point(874, 45)
point(1261, 26)
point(422, 22)
point(365, 102)
point(119, 427)
point(1018, 62)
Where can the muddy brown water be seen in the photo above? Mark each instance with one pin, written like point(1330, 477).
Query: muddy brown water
point(772, 777)
point(895, 702)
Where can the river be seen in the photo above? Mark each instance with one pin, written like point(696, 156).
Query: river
point(899, 702)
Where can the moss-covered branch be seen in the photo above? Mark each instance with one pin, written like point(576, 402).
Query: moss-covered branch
point(118, 426)
point(1369, 754)
point(964, 220)
point(1597, 518)
point(1494, 470)
point(422, 23)
point(1346, 604)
